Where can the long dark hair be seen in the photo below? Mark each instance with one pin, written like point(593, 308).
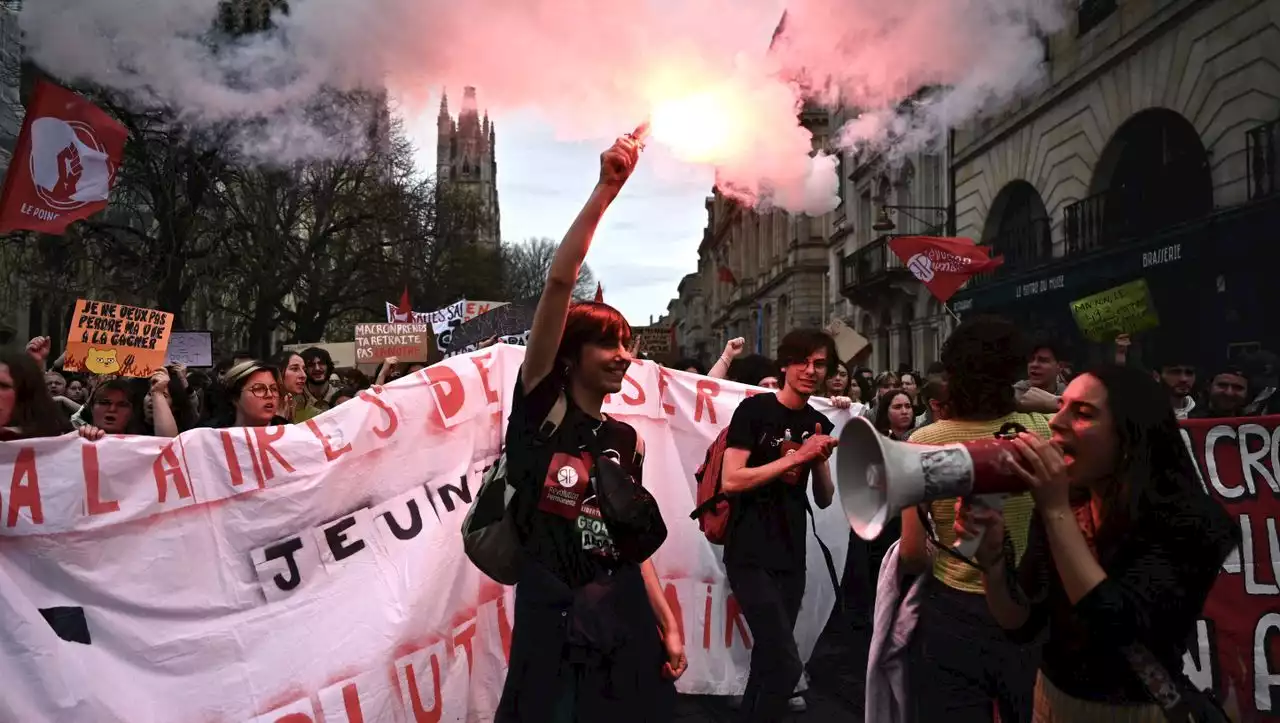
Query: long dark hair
point(1155, 473)
point(751, 369)
point(184, 413)
point(882, 409)
point(34, 411)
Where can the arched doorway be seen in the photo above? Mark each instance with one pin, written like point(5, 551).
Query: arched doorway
point(1018, 228)
point(1153, 173)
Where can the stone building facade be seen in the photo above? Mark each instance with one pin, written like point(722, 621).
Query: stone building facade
point(870, 287)
point(19, 318)
point(762, 273)
point(688, 312)
point(1150, 152)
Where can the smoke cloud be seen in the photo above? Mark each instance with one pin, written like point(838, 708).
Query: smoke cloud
point(702, 70)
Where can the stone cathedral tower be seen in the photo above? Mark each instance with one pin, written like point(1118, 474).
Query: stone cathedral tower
point(465, 158)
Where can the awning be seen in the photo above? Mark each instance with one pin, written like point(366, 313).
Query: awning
point(1231, 234)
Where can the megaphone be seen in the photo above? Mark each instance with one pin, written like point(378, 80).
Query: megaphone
point(878, 477)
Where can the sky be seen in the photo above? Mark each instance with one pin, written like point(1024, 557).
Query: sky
point(649, 237)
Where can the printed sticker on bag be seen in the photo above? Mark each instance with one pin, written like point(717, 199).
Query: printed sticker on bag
point(596, 538)
point(565, 485)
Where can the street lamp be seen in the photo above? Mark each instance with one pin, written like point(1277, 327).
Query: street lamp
point(884, 221)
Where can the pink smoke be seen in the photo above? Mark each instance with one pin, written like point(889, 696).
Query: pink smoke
point(700, 68)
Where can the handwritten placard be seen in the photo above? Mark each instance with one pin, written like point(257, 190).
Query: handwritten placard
point(117, 339)
point(1125, 309)
point(654, 340)
point(406, 342)
point(190, 349)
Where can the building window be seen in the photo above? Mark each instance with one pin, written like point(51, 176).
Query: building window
point(1091, 14)
point(864, 216)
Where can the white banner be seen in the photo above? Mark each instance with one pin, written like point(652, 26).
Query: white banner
point(314, 572)
point(444, 321)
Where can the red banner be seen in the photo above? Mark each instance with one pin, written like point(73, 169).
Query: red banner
point(1236, 650)
point(942, 263)
point(64, 165)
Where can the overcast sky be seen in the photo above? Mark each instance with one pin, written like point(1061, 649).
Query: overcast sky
point(649, 237)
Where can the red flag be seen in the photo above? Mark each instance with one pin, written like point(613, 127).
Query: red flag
point(725, 275)
point(943, 264)
point(64, 165)
point(599, 293)
point(404, 310)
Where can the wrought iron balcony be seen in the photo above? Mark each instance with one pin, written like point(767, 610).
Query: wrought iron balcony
point(1024, 245)
point(867, 269)
point(1116, 215)
point(1263, 143)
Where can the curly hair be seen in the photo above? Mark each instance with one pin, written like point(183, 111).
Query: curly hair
point(983, 358)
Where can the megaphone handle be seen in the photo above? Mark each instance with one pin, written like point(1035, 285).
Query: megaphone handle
point(970, 546)
point(967, 547)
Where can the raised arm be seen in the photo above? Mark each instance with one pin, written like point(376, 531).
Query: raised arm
point(616, 165)
point(731, 351)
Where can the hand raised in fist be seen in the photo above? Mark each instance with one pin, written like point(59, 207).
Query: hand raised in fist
point(734, 348)
point(38, 348)
point(69, 171)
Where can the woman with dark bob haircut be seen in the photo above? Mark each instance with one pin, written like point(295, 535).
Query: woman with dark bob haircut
point(594, 637)
point(1121, 555)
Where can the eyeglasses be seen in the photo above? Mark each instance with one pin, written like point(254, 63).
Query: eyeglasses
point(262, 391)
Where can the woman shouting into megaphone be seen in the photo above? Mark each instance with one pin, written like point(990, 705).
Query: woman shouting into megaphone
point(1120, 557)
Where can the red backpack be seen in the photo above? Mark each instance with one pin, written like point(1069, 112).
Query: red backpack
point(712, 512)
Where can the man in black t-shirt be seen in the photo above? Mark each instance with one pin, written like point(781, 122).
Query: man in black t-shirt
point(775, 441)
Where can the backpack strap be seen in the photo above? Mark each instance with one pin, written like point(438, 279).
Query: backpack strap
point(826, 555)
point(555, 417)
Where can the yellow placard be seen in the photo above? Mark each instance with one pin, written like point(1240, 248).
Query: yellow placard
point(1125, 309)
point(117, 339)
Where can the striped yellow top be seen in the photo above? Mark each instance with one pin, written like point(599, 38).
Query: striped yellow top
point(1017, 508)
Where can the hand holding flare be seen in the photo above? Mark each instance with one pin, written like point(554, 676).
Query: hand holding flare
point(640, 134)
point(617, 163)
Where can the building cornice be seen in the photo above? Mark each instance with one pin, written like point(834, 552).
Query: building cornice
point(1151, 29)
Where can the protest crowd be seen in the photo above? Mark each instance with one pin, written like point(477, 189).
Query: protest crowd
point(1077, 602)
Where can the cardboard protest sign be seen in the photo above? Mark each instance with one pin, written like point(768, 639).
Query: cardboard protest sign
point(190, 349)
point(116, 339)
point(654, 340)
point(444, 322)
point(505, 320)
point(376, 343)
point(1125, 309)
point(849, 343)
